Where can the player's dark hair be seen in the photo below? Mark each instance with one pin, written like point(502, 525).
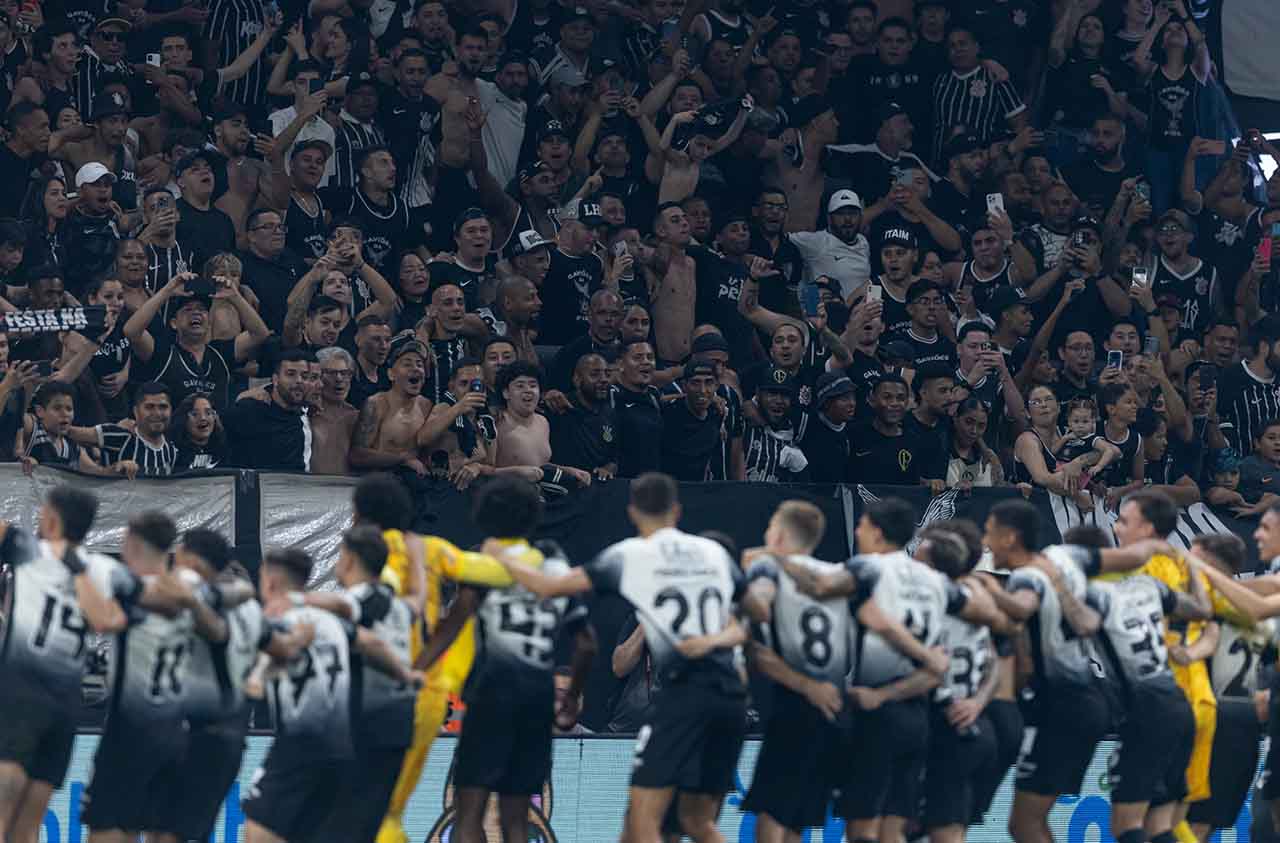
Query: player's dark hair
point(51, 390)
point(507, 507)
point(1156, 507)
point(1087, 535)
point(382, 500)
point(209, 546)
point(518, 369)
point(294, 562)
point(969, 533)
point(1228, 548)
point(18, 113)
point(372, 320)
point(366, 544)
point(724, 540)
point(155, 528)
point(892, 21)
point(655, 494)
point(895, 518)
point(493, 340)
point(76, 509)
point(1022, 518)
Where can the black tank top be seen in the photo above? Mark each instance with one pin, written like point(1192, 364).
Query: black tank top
point(1120, 472)
point(307, 235)
point(984, 287)
point(1022, 475)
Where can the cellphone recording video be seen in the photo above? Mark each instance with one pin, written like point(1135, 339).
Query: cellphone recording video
point(875, 293)
point(1115, 359)
point(1208, 377)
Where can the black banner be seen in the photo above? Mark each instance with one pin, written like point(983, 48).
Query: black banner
point(90, 319)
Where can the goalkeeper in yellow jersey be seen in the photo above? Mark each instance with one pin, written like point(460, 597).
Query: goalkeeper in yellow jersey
point(443, 647)
point(1149, 514)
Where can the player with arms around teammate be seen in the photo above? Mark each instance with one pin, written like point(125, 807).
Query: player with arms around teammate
point(55, 598)
point(505, 746)
point(311, 698)
point(808, 656)
point(214, 692)
point(890, 732)
point(681, 587)
point(1046, 591)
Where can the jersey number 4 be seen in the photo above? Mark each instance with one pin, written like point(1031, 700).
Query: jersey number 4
point(68, 618)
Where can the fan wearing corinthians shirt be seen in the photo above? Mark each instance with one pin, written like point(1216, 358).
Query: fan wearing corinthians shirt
point(146, 445)
point(1248, 395)
point(806, 651)
point(1148, 775)
point(56, 595)
point(312, 703)
point(899, 253)
point(1194, 282)
point(374, 209)
point(135, 779)
point(505, 746)
point(213, 695)
point(383, 715)
point(188, 360)
point(926, 308)
point(1070, 712)
point(682, 587)
point(891, 731)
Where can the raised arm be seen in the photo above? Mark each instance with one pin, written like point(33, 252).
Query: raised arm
point(135, 329)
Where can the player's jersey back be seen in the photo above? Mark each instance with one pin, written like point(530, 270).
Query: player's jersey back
point(147, 671)
point(1059, 655)
point(1132, 634)
point(217, 671)
point(969, 647)
point(811, 635)
point(386, 703)
point(311, 696)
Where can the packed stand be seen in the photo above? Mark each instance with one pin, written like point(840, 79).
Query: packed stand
point(981, 244)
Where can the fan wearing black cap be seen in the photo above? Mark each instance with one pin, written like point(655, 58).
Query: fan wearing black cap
point(927, 307)
point(691, 428)
point(187, 360)
point(106, 146)
point(898, 252)
point(769, 451)
point(722, 272)
point(874, 166)
point(954, 196)
point(534, 206)
point(709, 345)
point(576, 273)
point(882, 452)
point(823, 431)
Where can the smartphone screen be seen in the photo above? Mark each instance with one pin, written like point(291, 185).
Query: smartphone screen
point(316, 85)
point(1115, 359)
point(810, 299)
point(1151, 346)
point(1140, 276)
point(1208, 378)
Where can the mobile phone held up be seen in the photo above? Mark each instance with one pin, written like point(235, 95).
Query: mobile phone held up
point(1141, 276)
point(810, 298)
point(1208, 377)
point(875, 293)
point(1151, 345)
point(1115, 359)
point(995, 202)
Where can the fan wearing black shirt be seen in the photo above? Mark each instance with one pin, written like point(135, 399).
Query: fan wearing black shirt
point(603, 315)
point(881, 451)
point(377, 212)
point(206, 229)
point(1097, 178)
point(23, 154)
point(637, 407)
point(691, 428)
point(576, 273)
point(929, 422)
point(926, 307)
point(275, 435)
point(586, 435)
point(823, 434)
point(472, 265)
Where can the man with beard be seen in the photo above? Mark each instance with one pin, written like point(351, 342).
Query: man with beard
point(188, 361)
point(514, 315)
point(874, 167)
point(530, 257)
point(1097, 179)
point(722, 272)
point(275, 436)
point(146, 445)
point(603, 315)
point(106, 146)
point(408, 117)
point(585, 436)
point(441, 329)
point(369, 374)
point(534, 207)
point(333, 419)
point(769, 447)
point(824, 430)
point(954, 196)
point(91, 227)
point(503, 103)
point(238, 179)
point(637, 408)
point(839, 252)
point(454, 93)
point(1247, 394)
point(374, 208)
point(207, 229)
point(769, 217)
point(387, 430)
point(460, 432)
point(576, 273)
point(691, 428)
point(882, 452)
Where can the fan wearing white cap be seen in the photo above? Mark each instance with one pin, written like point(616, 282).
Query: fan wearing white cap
point(92, 226)
point(839, 251)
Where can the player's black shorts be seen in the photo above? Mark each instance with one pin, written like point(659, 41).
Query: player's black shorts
point(1156, 739)
point(135, 775)
point(1070, 720)
point(1006, 723)
point(505, 746)
point(887, 753)
point(207, 770)
point(36, 735)
point(951, 774)
point(291, 796)
point(691, 738)
point(363, 800)
point(1271, 772)
point(800, 763)
point(1232, 765)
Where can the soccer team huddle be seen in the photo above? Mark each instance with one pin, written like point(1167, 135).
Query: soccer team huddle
point(906, 681)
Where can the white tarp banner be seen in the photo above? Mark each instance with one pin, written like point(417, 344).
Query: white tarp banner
point(1250, 33)
point(208, 502)
point(307, 512)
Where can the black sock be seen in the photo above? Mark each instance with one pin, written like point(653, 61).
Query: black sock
point(1135, 835)
point(1165, 837)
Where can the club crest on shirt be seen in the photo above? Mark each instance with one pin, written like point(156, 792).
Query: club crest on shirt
point(1202, 286)
point(978, 88)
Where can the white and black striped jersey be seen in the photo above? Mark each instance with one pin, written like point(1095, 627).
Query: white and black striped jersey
point(311, 696)
point(386, 703)
point(119, 444)
point(811, 635)
point(1133, 625)
point(352, 137)
point(909, 591)
point(217, 671)
point(516, 635)
point(147, 667)
point(89, 72)
point(1233, 667)
point(974, 101)
point(45, 634)
point(762, 449)
point(971, 650)
point(1246, 403)
point(233, 25)
point(681, 586)
point(46, 450)
point(1058, 654)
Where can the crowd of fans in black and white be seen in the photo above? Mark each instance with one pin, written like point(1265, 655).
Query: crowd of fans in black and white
point(955, 244)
